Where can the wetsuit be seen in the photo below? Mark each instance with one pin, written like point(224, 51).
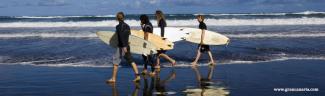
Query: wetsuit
point(162, 24)
point(204, 47)
point(123, 32)
point(149, 58)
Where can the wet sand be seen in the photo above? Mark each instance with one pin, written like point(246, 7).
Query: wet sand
point(257, 79)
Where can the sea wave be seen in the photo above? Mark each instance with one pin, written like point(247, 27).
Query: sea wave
point(177, 15)
point(190, 22)
point(93, 35)
point(276, 35)
point(52, 17)
point(48, 35)
point(267, 14)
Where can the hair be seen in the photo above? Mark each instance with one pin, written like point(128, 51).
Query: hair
point(160, 15)
point(144, 19)
point(200, 16)
point(120, 16)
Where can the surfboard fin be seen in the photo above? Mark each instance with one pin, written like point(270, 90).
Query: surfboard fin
point(228, 41)
point(144, 45)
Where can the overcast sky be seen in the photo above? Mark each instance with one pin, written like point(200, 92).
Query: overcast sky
point(105, 7)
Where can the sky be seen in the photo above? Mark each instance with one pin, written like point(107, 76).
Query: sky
point(107, 7)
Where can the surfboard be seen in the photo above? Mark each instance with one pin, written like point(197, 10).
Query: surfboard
point(210, 38)
point(158, 41)
point(173, 34)
point(137, 45)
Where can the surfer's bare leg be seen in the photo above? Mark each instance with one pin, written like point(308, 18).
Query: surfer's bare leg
point(113, 78)
point(135, 69)
point(198, 55)
point(157, 66)
point(211, 58)
point(172, 61)
point(145, 59)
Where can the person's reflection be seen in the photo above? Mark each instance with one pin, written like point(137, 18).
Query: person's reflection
point(136, 90)
point(160, 84)
point(204, 83)
point(148, 85)
point(114, 89)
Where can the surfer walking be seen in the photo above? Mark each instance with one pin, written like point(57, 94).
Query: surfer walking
point(162, 53)
point(202, 47)
point(147, 28)
point(123, 50)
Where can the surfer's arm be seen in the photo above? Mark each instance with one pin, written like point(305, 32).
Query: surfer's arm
point(146, 35)
point(202, 36)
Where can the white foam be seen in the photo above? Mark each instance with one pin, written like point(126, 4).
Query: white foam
point(309, 12)
point(93, 35)
point(263, 14)
point(245, 14)
point(276, 35)
point(49, 35)
point(190, 22)
point(284, 58)
point(75, 64)
point(51, 17)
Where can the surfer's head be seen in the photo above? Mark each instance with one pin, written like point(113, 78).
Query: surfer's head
point(120, 16)
point(200, 18)
point(159, 15)
point(144, 19)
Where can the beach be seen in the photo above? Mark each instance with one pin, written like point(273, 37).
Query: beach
point(257, 79)
point(268, 54)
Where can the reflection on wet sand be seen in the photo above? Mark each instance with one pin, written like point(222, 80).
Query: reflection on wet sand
point(160, 84)
point(206, 86)
point(154, 85)
point(114, 89)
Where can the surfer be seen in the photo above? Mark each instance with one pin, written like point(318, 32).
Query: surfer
point(162, 53)
point(123, 50)
point(202, 47)
point(147, 28)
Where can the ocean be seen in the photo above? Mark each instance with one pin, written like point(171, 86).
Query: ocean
point(71, 41)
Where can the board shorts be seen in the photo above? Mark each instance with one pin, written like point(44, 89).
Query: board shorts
point(119, 54)
point(161, 51)
point(204, 48)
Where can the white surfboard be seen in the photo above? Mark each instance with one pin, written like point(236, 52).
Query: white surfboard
point(172, 34)
point(210, 38)
point(137, 45)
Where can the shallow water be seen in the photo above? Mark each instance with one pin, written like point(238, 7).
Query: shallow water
point(81, 47)
point(71, 40)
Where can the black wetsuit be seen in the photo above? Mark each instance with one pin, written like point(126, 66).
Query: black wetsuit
point(162, 24)
point(149, 58)
point(203, 48)
point(123, 33)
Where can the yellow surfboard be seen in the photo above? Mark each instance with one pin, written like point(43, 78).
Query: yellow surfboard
point(158, 41)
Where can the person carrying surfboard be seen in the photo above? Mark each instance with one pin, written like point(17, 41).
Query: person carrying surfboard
point(147, 28)
point(123, 50)
point(162, 53)
point(202, 47)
